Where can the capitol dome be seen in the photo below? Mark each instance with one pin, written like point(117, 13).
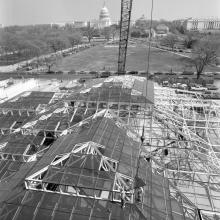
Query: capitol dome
point(104, 17)
point(104, 14)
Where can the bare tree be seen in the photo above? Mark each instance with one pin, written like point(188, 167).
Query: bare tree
point(90, 32)
point(114, 30)
point(75, 39)
point(107, 33)
point(51, 61)
point(204, 54)
point(170, 40)
point(56, 43)
point(189, 41)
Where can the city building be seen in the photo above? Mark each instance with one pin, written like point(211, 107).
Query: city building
point(202, 25)
point(152, 31)
point(104, 18)
point(103, 21)
point(141, 22)
point(162, 30)
point(80, 24)
point(59, 24)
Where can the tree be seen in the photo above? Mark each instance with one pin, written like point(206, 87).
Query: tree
point(189, 41)
point(142, 23)
point(75, 39)
point(56, 44)
point(170, 40)
point(114, 29)
point(136, 33)
point(29, 49)
point(90, 32)
point(107, 33)
point(181, 29)
point(204, 54)
point(18, 43)
point(10, 42)
point(51, 61)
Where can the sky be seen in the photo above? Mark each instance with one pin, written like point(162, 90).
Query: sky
point(24, 12)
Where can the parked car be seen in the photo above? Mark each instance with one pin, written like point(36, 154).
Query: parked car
point(59, 72)
point(133, 72)
point(105, 74)
point(165, 83)
point(50, 72)
point(142, 73)
point(93, 73)
point(81, 80)
point(72, 72)
point(211, 87)
point(81, 72)
point(187, 73)
point(198, 88)
point(158, 73)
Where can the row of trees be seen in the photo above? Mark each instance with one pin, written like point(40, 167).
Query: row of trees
point(204, 50)
point(32, 41)
point(187, 41)
point(24, 42)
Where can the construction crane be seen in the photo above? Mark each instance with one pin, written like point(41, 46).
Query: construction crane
point(126, 6)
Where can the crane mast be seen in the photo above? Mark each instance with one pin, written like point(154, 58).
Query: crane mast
point(126, 6)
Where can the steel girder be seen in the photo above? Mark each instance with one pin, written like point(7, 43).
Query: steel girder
point(126, 6)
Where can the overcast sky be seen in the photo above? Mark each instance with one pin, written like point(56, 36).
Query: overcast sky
point(21, 12)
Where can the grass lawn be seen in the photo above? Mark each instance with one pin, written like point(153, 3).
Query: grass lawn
point(100, 58)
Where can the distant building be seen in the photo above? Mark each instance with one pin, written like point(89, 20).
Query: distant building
point(181, 22)
point(152, 31)
point(141, 22)
point(202, 25)
point(59, 24)
point(80, 24)
point(162, 30)
point(94, 23)
point(103, 21)
point(104, 18)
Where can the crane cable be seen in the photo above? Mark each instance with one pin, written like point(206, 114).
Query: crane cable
point(147, 77)
point(148, 61)
point(149, 46)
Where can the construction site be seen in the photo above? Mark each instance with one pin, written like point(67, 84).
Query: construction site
point(113, 148)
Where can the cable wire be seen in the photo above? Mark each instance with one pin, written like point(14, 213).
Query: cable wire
point(149, 45)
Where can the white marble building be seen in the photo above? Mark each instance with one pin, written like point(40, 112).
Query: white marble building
point(104, 18)
point(201, 24)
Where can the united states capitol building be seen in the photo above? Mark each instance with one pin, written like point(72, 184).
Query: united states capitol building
point(104, 20)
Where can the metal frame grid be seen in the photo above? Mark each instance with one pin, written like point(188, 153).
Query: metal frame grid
point(182, 133)
point(27, 101)
point(24, 148)
point(177, 176)
point(182, 139)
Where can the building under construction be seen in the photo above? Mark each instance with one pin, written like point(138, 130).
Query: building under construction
point(116, 148)
point(120, 148)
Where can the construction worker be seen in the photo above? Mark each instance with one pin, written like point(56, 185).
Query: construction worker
point(123, 198)
point(139, 194)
